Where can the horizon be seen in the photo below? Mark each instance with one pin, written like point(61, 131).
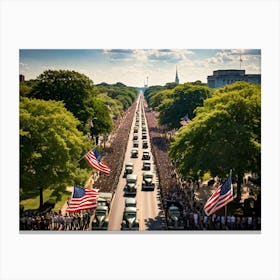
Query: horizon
point(133, 67)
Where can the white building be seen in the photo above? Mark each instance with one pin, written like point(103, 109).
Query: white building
point(221, 78)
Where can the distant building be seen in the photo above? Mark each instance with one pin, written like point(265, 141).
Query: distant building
point(221, 78)
point(21, 78)
point(176, 78)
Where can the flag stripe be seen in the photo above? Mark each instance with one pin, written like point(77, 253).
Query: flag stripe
point(85, 199)
point(94, 163)
point(217, 201)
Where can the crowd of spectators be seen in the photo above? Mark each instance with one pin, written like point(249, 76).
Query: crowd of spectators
point(114, 155)
point(56, 221)
point(180, 192)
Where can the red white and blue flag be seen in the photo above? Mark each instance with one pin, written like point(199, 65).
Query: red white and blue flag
point(94, 160)
point(221, 197)
point(83, 199)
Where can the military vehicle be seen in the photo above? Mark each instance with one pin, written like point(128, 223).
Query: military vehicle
point(130, 221)
point(134, 153)
point(175, 219)
point(145, 144)
point(130, 202)
point(146, 165)
point(130, 187)
point(101, 214)
point(144, 129)
point(135, 129)
point(146, 156)
point(144, 136)
point(128, 168)
point(147, 183)
point(135, 136)
point(135, 143)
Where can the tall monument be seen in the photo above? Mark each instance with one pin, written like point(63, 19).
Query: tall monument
point(176, 77)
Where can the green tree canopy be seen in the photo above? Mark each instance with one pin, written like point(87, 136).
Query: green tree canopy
point(224, 135)
point(185, 99)
point(74, 89)
point(50, 145)
point(159, 97)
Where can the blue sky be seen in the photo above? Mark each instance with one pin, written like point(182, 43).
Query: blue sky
point(133, 66)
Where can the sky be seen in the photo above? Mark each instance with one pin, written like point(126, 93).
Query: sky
point(134, 67)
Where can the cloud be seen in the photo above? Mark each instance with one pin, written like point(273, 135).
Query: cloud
point(148, 55)
point(24, 66)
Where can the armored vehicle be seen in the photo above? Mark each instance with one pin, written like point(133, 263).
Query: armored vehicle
point(130, 187)
point(144, 129)
point(134, 153)
point(147, 183)
point(130, 221)
point(135, 129)
point(144, 136)
point(146, 156)
point(135, 136)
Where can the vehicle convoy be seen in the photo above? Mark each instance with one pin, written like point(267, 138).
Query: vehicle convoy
point(130, 187)
point(175, 219)
point(101, 214)
point(147, 183)
point(130, 221)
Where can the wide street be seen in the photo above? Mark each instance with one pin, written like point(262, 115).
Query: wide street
point(149, 213)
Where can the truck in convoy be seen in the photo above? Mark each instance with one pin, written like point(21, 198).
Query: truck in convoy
point(101, 214)
point(130, 221)
point(146, 156)
point(146, 165)
point(128, 168)
point(147, 183)
point(130, 202)
point(175, 220)
point(134, 153)
point(144, 144)
point(130, 187)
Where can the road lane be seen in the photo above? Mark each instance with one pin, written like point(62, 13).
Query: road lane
point(148, 202)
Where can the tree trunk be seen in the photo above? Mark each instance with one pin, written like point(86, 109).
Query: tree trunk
point(41, 197)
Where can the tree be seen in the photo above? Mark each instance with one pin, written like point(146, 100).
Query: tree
point(50, 146)
point(102, 121)
point(158, 98)
point(224, 135)
point(185, 99)
point(71, 87)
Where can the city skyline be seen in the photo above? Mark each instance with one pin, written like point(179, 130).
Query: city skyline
point(134, 66)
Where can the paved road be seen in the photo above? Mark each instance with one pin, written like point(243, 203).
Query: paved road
point(148, 202)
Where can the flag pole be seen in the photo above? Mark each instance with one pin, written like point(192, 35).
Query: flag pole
point(230, 173)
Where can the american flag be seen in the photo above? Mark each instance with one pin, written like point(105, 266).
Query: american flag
point(83, 199)
point(93, 159)
point(222, 196)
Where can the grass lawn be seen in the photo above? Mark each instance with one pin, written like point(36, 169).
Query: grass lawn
point(33, 203)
